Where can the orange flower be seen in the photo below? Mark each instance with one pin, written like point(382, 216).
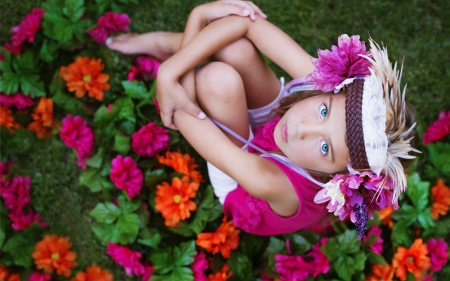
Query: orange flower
point(13, 277)
point(380, 272)
point(7, 120)
point(225, 239)
point(385, 216)
point(93, 273)
point(221, 275)
point(84, 75)
point(414, 260)
point(44, 123)
point(52, 253)
point(173, 201)
point(183, 164)
point(441, 199)
point(5, 275)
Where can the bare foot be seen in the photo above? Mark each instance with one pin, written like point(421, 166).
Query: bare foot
point(160, 45)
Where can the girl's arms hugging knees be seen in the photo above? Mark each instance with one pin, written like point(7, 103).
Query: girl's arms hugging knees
point(258, 176)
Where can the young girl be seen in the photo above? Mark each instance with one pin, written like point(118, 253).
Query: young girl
point(364, 131)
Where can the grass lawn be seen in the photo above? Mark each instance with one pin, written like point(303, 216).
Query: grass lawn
point(416, 31)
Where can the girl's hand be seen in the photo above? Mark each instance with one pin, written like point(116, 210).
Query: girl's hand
point(215, 10)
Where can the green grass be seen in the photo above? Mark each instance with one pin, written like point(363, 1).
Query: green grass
point(418, 31)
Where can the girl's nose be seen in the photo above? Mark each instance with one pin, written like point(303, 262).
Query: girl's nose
point(307, 129)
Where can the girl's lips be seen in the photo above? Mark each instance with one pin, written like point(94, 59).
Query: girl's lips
point(284, 132)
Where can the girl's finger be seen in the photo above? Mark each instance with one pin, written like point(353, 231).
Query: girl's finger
point(258, 10)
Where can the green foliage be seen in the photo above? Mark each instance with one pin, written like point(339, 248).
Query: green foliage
point(173, 263)
point(439, 153)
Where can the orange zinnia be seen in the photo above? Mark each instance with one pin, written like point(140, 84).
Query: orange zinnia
point(386, 216)
point(379, 272)
point(414, 260)
point(5, 275)
point(225, 239)
point(221, 275)
point(441, 199)
point(7, 120)
point(173, 201)
point(52, 253)
point(44, 123)
point(84, 75)
point(93, 273)
point(183, 164)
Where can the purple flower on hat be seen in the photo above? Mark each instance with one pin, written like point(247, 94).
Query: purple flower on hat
point(342, 62)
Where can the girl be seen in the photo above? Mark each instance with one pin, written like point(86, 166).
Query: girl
point(364, 131)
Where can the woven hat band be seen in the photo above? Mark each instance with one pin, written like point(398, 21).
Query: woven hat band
point(353, 119)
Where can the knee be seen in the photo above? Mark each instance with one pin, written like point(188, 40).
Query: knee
point(219, 81)
point(238, 52)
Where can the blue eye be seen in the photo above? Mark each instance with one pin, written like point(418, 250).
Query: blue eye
point(324, 148)
point(323, 110)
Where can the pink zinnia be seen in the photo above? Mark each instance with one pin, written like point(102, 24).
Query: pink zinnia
point(437, 250)
point(21, 221)
point(344, 61)
point(76, 134)
point(319, 262)
point(199, 266)
point(150, 140)
point(376, 247)
point(16, 196)
point(126, 175)
point(438, 129)
point(144, 67)
point(25, 31)
point(109, 23)
point(125, 257)
point(19, 100)
point(149, 269)
point(291, 267)
point(39, 276)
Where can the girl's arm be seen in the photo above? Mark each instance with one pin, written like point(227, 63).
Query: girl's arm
point(269, 39)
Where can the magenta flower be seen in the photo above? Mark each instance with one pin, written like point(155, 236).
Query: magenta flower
point(144, 67)
point(19, 100)
point(437, 250)
point(344, 61)
point(21, 221)
point(150, 140)
point(107, 24)
point(126, 258)
point(318, 261)
point(39, 276)
point(291, 267)
point(199, 266)
point(376, 247)
point(25, 31)
point(438, 129)
point(76, 134)
point(126, 175)
point(149, 269)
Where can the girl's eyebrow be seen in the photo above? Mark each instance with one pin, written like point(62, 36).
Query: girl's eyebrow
point(330, 102)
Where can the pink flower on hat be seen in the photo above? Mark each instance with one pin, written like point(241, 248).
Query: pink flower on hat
point(150, 140)
point(126, 175)
point(25, 31)
point(344, 61)
point(76, 134)
point(437, 250)
point(19, 100)
point(126, 258)
point(438, 129)
point(107, 24)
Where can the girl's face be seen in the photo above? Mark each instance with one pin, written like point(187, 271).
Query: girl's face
point(312, 133)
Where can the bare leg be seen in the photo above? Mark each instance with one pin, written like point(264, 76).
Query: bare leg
point(260, 83)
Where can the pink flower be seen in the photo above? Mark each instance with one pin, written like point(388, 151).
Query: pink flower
point(16, 196)
point(126, 175)
point(25, 31)
point(437, 250)
point(21, 221)
point(144, 67)
point(199, 266)
point(344, 61)
point(377, 246)
point(438, 129)
point(76, 134)
point(126, 258)
point(149, 269)
point(109, 23)
point(150, 140)
point(318, 261)
point(291, 267)
point(264, 277)
point(39, 276)
point(428, 277)
point(264, 136)
point(19, 100)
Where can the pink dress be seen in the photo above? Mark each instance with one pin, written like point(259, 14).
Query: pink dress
point(255, 216)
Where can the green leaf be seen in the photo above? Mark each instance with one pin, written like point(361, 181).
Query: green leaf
point(96, 160)
point(240, 265)
point(184, 255)
point(375, 259)
point(120, 237)
point(425, 219)
point(208, 210)
point(93, 179)
point(440, 157)
point(105, 212)
point(344, 267)
point(401, 233)
point(299, 245)
point(126, 110)
point(162, 260)
point(4, 221)
point(150, 237)
point(121, 143)
point(276, 246)
point(348, 242)
point(418, 191)
point(129, 223)
point(70, 104)
point(127, 206)
point(182, 274)
point(30, 85)
point(103, 118)
point(10, 83)
point(126, 126)
point(48, 51)
point(407, 213)
point(331, 249)
point(359, 261)
point(136, 90)
point(104, 232)
point(73, 9)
